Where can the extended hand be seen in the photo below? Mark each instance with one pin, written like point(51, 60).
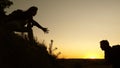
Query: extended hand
point(45, 30)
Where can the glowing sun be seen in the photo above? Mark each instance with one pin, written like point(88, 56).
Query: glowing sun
point(93, 57)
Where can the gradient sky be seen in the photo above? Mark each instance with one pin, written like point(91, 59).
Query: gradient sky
point(76, 26)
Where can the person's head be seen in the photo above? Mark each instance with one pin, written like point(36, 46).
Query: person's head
point(32, 10)
point(104, 44)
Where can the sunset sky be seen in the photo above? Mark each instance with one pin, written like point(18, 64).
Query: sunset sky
point(76, 26)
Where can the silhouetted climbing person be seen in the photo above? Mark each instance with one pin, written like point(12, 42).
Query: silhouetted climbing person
point(104, 44)
point(22, 21)
point(112, 54)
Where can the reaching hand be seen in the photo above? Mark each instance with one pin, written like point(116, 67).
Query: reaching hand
point(45, 30)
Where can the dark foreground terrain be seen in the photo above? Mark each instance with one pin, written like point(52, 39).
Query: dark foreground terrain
point(84, 63)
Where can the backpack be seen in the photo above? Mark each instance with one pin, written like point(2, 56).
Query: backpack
point(17, 14)
point(116, 52)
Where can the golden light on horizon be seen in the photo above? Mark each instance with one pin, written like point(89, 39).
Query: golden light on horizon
point(93, 56)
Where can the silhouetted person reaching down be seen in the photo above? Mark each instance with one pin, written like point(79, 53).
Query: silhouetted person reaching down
point(112, 54)
point(22, 21)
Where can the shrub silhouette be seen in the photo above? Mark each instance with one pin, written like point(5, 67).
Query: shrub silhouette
point(51, 50)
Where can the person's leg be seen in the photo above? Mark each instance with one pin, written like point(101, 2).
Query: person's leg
point(30, 36)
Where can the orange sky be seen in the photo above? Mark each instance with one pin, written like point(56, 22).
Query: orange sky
point(76, 26)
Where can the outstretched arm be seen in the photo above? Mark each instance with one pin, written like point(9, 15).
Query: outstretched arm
point(39, 26)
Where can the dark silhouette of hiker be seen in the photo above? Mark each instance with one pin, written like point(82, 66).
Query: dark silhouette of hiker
point(104, 44)
point(22, 21)
point(112, 54)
